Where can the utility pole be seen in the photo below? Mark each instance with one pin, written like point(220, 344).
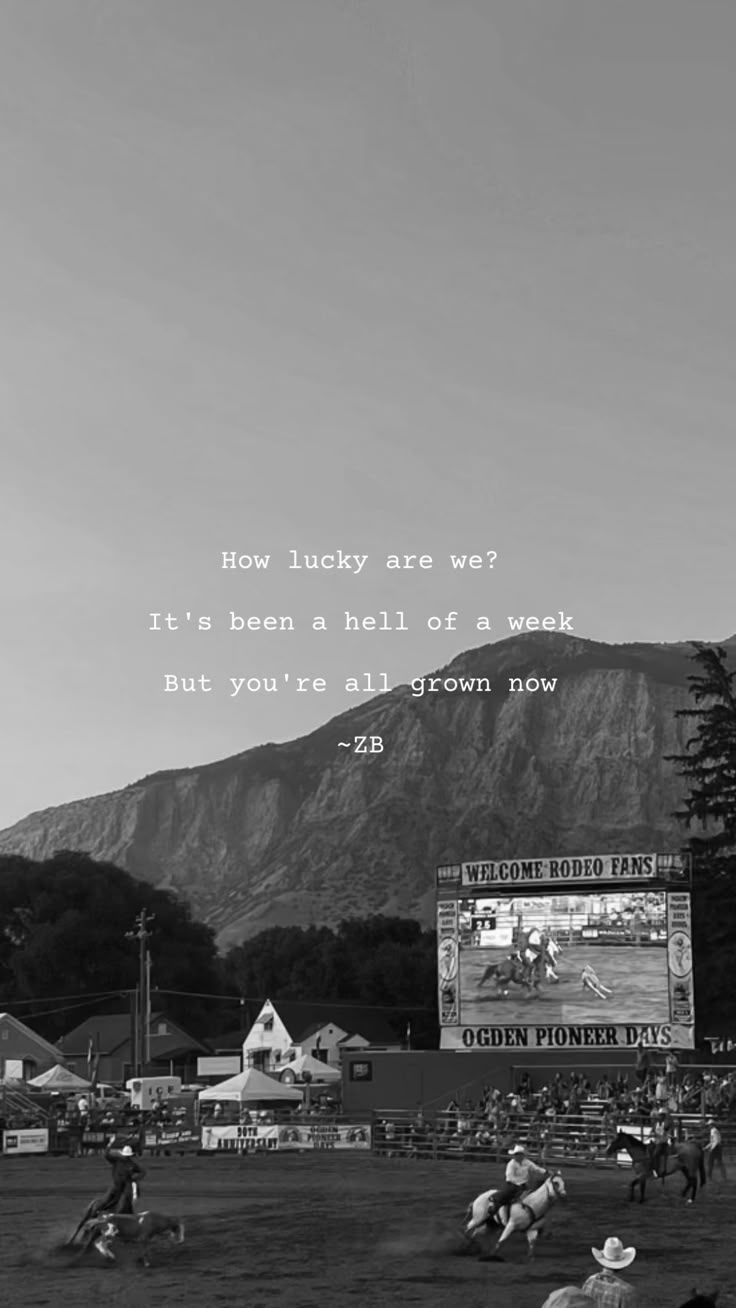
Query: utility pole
point(142, 1047)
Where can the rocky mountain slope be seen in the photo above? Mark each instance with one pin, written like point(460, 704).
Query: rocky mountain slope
point(308, 832)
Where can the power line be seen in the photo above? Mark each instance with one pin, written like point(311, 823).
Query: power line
point(50, 1012)
point(299, 1003)
point(47, 999)
point(221, 998)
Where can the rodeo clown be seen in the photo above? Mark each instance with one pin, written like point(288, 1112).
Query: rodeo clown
point(521, 1171)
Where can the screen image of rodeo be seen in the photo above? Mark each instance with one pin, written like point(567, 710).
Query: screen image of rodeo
point(564, 960)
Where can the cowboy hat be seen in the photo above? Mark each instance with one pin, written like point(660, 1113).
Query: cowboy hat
point(613, 1253)
point(570, 1296)
point(126, 1151)
point(518, 1149)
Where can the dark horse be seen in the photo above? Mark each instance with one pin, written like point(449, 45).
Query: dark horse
point(135, 1228)
point(686, 1157)
point(701, 1300)
point(507, 972)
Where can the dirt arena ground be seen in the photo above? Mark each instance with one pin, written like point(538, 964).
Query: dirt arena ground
point(329, 1230)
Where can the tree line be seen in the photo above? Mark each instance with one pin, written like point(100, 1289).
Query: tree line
point(64, 925)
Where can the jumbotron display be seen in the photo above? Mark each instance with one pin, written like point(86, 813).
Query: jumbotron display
point(551, 953)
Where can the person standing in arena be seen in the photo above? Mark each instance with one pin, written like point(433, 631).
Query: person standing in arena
point(520, 1175)
point(714, 1152)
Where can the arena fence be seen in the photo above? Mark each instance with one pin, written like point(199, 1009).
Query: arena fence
point(573, 1140)
point(335, 1132)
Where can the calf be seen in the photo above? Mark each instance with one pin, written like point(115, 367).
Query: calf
point(139, 1228)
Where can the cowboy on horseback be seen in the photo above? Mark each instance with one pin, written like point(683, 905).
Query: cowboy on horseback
point(520, 1170)
point(660, 1143)
point(126, 1172)
point(532, 953)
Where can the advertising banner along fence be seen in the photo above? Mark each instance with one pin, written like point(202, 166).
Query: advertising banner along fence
point(590, 952)
point(26, 1142)
point(246, 1138)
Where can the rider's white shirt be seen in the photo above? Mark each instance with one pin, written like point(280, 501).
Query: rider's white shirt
point(518, 1173)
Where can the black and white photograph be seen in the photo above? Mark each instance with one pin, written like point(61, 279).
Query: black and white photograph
point(368, 657)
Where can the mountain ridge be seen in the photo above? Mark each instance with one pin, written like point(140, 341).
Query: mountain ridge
point(301, 831)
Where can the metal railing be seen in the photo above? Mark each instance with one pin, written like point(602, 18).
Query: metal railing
point(15, 1103)
point(579, 1139)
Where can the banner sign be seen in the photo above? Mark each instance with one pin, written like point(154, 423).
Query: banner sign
point(447, 958)
point(565, 953)
point(325, 1137)
point(572, 871)
point(680, 957)
point(181, 1138)
point(556, 1037)
point(26, 1142)
point(250, 1138)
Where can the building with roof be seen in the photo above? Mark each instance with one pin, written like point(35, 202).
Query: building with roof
point(285, 1029)
point(108, 1038)
point(23, 1053)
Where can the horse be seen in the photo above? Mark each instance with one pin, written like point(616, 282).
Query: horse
point(135, 1228)
point(688, 1159)
point(527, 1214)
point(701, 1300)
point(508, 971)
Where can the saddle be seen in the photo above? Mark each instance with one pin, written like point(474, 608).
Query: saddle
point(503, 1214)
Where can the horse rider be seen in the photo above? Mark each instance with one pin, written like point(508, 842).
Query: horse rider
point(660, 1144)
point(519, 1169)
point(534, 950)
point(126, 1170)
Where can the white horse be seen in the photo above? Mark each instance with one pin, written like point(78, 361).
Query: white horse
point(527, 1214)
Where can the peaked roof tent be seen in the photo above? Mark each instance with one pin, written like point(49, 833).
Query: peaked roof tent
point(250, 1087)
point(60, 1078)
point(319, 1072)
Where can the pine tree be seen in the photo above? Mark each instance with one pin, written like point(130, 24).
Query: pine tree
point(709, 765)
point(710, 762)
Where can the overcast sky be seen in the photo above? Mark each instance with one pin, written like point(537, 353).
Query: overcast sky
point(424, 276)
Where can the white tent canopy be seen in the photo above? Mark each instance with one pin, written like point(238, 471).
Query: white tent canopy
point(250, 1087)
point(320, 1072)
point(60, 1078)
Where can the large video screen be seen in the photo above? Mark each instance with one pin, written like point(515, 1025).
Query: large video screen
point(563, 959)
